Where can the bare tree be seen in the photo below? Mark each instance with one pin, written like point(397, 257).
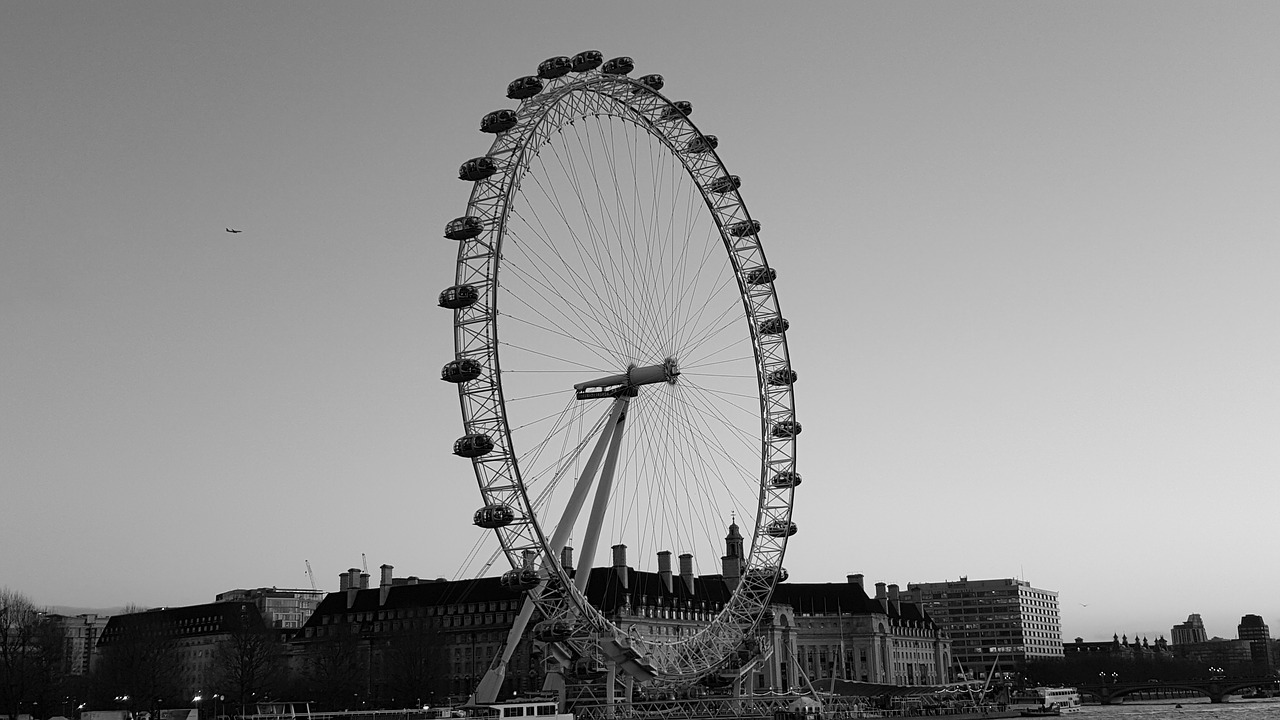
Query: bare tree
point(249, 662)
point(19, 650)
point(335, 673)
point(140, 664)
point(413, 663)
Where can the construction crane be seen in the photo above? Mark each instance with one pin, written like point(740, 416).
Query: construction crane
point(364, 562)
point(310, 575)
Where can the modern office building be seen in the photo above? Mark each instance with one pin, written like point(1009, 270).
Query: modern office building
point(992, 624)
point(281, 608)
point(1190, 632)
point(1254, 630)
point(80, 635)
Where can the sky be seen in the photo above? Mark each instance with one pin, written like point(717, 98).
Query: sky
point(1027, 250)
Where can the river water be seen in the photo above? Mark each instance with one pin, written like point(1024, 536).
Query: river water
point(1192, 709)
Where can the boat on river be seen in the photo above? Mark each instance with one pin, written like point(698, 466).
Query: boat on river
point(1046, 702)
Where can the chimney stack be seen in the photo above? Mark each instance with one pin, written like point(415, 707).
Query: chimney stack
point(855, 579)
point(384, 584)
point(664, 569)
point(686, 571)
point(364, 581)
point(344, 580)
point(620, 564)
point(353, 586)
point(894, 601)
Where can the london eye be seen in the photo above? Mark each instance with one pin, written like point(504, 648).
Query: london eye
point(621, 359)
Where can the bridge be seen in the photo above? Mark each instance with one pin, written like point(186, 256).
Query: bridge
point(1217, 688)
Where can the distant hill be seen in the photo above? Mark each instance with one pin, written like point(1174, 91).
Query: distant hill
point(73, 611)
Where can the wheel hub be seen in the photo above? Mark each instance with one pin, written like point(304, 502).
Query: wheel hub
point(627, 383)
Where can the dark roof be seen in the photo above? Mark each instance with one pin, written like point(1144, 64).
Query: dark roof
point(187, 621)
point(847, 598)
point(605, 591)
point(423, 594)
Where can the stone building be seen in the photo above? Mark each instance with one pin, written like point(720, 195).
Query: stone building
point(1119, 647)
point(170, 655)
point(820, 631)
point(812, 631)
point(444, 632)
point(1191, 631)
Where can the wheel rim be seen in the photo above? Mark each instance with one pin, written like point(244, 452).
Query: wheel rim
point(605, 244)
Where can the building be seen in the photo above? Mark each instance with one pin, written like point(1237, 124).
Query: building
point(811, 632)
point(408, 641)
point(169, 655)
point(1191, 631)
point(1120, 648)
point(1254, 630)
point(80, 635)
point(992, 624)
point(283, 609)
point(1219, 656)
point(835, 630)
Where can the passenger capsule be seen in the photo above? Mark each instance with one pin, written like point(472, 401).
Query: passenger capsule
point(491, 517)
point(618, 66)
point(520, 580)
point(458, 296)
point(785, 429)
point(725, 183)
point(785, 479)
point(653, 82)
point(780, 528)
point(743, 228)
point(774, 326)
point(775, 575)
point(477, 169)
point(552, 631)
point(782, 377)
point(460, 371)
point(760, 276)
point(703, 144)
point(679, 108)
point(473, 446)
point(554, 67)
point(524, 87)
point(464, 228)
point(586, 60)
point(499, 121)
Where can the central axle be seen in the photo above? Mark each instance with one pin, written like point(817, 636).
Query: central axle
point(626, 383)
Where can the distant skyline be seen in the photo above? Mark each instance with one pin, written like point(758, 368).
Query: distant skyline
point(1028, 252)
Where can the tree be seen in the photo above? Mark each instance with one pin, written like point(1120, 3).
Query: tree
point(335, 673)
point(139, 662)
point(20, 654)
point(249, 662)
point(412, 664)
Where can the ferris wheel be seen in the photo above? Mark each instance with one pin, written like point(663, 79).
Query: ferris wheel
point(616, 329)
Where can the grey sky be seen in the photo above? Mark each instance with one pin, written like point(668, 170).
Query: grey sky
point(1028, 252)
